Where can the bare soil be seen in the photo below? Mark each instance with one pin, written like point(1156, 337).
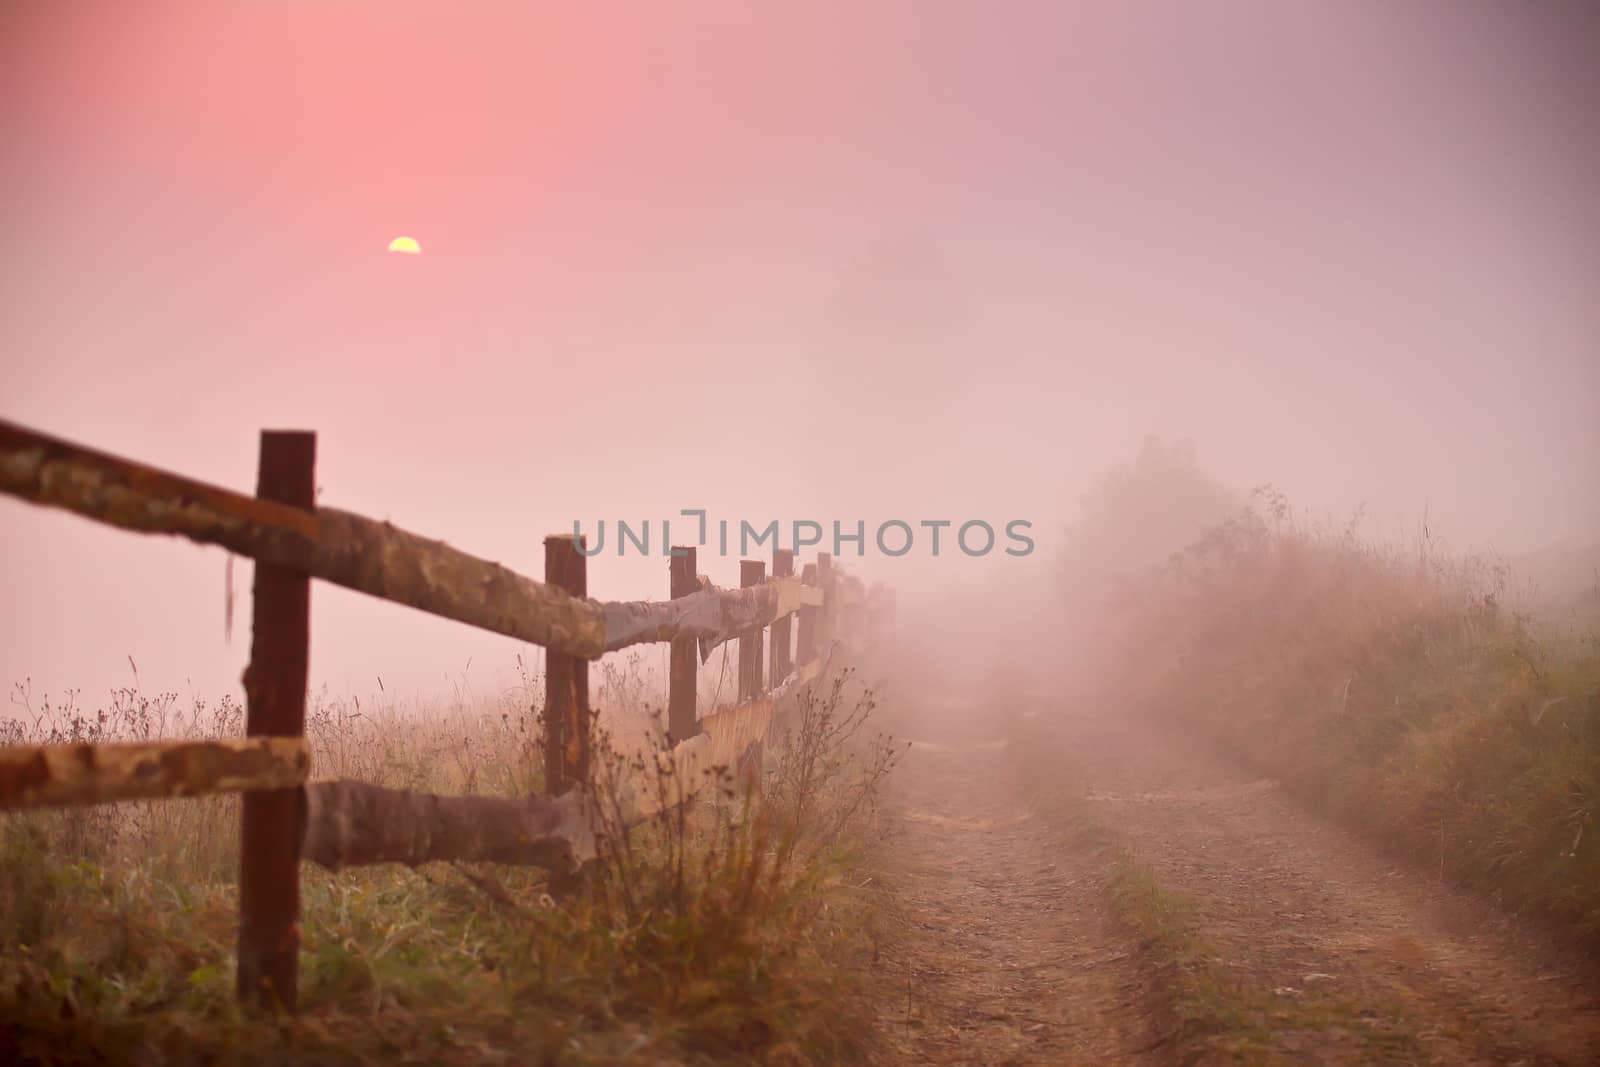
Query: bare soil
point(1004, 952)
point(1008, 951)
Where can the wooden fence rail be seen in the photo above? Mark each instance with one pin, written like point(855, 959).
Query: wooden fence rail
point(371, 556)
point(43, 776)
point(335, 824)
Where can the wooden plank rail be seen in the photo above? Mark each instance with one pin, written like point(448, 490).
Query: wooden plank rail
point(338, 824)
point(43, 776)
point(712, 615)
point(373, 557)
point(353, 824)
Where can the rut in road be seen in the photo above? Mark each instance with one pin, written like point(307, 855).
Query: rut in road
point(1004, 950)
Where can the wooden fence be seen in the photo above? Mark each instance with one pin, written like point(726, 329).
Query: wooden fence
point(285, 818)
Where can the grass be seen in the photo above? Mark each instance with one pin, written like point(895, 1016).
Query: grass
point(732, 933)
point(1208, 1011)
point(1198, 1005)
point(1394, 688)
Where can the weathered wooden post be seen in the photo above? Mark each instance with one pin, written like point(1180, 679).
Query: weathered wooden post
point(782, 567)
point(566, 679)
point(850, 610)
point(682, 715)
point(751, 572)
point(275, 701)
point(827, 618)
point(806, 631)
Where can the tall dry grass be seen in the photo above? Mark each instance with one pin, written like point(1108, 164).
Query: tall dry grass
point(703, 936)
point(1392, 685)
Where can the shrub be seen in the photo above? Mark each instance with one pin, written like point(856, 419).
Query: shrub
point(1393, 687)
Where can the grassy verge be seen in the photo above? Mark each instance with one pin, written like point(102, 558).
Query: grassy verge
point(734, 934)
point(1395, 690)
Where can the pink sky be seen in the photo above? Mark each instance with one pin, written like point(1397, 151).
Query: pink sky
point(829, 261)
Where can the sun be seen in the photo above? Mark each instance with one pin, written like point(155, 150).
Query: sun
point(407, 245)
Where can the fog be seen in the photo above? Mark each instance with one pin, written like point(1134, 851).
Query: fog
point(830, 262)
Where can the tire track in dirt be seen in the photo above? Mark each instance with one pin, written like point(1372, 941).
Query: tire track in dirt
point(1002, 950)
point(1372, 960)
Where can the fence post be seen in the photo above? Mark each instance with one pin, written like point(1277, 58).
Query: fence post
point(682, 715)
point(826, 618)
point(566, 678)
point(806, 635)
point(751, 572)
point(850, 613)
point(271, 821)
point(782, 567)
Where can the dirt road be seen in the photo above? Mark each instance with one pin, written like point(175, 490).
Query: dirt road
point(1318, 949)
point(1006, 953)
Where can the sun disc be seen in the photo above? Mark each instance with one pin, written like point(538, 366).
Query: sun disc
point(408, 245)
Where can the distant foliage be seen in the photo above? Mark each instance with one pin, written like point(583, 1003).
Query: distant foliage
point(1389, 684)
point(1134, 519)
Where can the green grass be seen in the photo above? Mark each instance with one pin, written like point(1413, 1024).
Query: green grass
point(733, 935)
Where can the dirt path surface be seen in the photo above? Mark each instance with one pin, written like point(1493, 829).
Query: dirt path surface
point(1005, 951)
point(1010, 953)
point(1373, 960)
